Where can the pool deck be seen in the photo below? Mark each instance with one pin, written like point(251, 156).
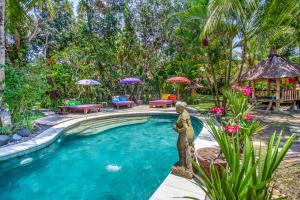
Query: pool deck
point(172, 187)
point(175, 187)
point(54, 119)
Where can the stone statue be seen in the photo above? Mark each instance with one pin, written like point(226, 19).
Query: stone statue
point(185, 142)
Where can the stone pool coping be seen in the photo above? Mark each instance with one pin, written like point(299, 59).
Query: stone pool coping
point(172, 187)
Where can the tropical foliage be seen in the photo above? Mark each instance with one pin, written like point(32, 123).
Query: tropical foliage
point(55, 43)
point(236, 118)
point(248, 174)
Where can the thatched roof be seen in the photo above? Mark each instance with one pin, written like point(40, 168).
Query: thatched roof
point(273, 67)
point(194, 85)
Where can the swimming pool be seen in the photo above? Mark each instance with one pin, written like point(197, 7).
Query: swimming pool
point(91, 162)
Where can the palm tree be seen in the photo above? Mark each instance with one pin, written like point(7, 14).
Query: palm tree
point(252, 19)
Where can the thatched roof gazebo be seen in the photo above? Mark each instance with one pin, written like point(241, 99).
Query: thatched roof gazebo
point(273, 68)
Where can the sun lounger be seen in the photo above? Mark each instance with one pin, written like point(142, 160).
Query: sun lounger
point(129, 104)
point(119, 101)
point(77, 108)
point(160, 103)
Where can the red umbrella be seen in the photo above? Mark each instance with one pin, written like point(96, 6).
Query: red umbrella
point(178, 79)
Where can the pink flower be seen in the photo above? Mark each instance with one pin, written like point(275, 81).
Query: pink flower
point(248, 116)
point(235, 86)
point(232, 129)
point(217, 110)
point(246, 91)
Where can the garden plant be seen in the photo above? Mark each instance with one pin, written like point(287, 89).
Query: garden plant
point(248, 173)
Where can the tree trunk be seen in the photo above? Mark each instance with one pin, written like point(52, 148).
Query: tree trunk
point(4, 114)
point(89, 13)
point(46, 45)
point(216, 89)
point(214, 85)
point(140, 88)
point(211, 87)
point(230, 63)
point(243, 58)
point(2, 49)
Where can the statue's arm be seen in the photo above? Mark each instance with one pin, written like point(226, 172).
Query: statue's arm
point(185, 125)
point(175, 128)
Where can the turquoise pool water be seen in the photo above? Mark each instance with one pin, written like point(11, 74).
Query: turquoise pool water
point(126, 162)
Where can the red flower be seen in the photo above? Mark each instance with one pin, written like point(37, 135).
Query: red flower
point(232, 129)
point(235, 86)
point(217, 110)
point(248, 116)
point(205, 42)
point(246, 91)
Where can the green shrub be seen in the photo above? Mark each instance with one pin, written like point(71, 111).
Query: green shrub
point(248, 174)
point(26, 120)
point(5, 131)
point(25, 86)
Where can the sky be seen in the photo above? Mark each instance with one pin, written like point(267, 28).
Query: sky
point(75, 3)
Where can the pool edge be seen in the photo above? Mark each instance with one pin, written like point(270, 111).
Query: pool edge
point(172, 185)
point(48, 136)
point(180, 188)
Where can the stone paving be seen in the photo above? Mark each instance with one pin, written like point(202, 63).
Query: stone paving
point(287, 123)
point(54, 119)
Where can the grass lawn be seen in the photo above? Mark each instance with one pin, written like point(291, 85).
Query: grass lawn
point(203, 103)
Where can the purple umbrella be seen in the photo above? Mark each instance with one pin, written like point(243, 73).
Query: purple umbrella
point(87, 82)
point(131, 81)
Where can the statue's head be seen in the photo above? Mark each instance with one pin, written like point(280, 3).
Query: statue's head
point(180, 106)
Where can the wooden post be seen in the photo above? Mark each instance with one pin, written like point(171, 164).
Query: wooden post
point(277, 93)
point(295, 91)
point(253, 92)
point(178, 97)
point(269, 87)
point(295, 97)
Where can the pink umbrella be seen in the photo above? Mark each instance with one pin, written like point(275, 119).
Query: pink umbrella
point(178, 79)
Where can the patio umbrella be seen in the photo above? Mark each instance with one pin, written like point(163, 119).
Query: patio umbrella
point(179, 79)
point(89, 82)
point(130, 81)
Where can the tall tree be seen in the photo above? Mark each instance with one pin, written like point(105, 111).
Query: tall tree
point(2, 48)
point(4, 114)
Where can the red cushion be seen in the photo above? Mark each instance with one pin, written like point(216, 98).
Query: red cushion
point(172, 97)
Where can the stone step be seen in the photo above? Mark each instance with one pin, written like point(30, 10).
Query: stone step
point(98, 126)
point(104, 122)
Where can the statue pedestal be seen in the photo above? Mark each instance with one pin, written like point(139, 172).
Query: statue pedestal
point(181, 171)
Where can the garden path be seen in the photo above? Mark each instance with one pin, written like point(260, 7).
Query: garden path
point(287, 177)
